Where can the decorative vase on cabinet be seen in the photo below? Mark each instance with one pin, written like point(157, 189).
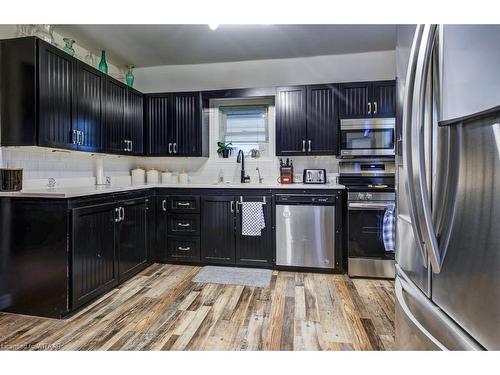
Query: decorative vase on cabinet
point(103, 65)
point(68, 47)
point(130, 76)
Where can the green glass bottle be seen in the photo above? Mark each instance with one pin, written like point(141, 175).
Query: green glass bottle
point(68, 47)
point(103, 65)
point(130, 76)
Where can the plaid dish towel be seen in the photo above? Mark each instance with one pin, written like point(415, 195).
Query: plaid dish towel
point(252, 218)
point(389, 228)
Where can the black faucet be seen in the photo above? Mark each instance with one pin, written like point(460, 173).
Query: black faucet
point(241, 159)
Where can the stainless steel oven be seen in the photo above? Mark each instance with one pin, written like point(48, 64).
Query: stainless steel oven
point(370, 194)
point(367, 137)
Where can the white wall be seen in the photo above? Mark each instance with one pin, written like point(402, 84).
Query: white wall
point(263, 73)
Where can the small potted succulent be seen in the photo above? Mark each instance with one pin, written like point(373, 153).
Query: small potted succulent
point(224, 149)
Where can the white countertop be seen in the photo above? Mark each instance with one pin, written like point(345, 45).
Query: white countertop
point(73, 192)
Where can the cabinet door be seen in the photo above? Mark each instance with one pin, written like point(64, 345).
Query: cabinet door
point(217, 223)
point(132, 238)
point(89, 107)
point(161, 225)
point(116, 94)
point(93, 263)
point(187, 127)
point(354, 100)
point(55, 95)
point(291, 123)
point(255, 250)
point(322, 126)
point(158, 125)
point(384, 99)
point(134, 121)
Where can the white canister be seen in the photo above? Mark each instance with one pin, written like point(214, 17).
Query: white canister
point(138, 176)
point(183, 177)
point(166, 177)
point(152, 176)
point(99, 171)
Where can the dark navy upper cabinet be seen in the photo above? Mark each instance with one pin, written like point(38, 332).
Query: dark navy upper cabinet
point(174, 125)
point(367, 99)
point(291, 122)
point(116, 96)
point(384, 99)
point(322, 128)
point(306, 120)
point(88, 124)
point(56, 71)
point(159, 135)
point(52, 99)
point(134, 121)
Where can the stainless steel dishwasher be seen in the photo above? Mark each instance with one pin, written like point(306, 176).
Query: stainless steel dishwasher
point(305, 230)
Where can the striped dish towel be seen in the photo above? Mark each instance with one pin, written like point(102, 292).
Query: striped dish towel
point(252, 218)
point(389, 228)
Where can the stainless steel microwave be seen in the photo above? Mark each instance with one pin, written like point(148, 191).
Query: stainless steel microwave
point(367, 137)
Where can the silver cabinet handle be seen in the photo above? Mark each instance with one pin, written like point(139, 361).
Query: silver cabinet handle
point(375, 110)
point(82, 139)
point(125, 148)
point(187, 204)
point(163, 205)
point(131, 146)
point(170, 148)
point(369, 108)
point(232, 207)
point(117, 214)
point(303, 145)
point(123, 213)
point(187, 248)
point(175, 148)
point(309, 145)
point(73, 137)
point(237, 209)
point(183, 224)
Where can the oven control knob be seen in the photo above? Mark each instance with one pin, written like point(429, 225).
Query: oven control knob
point(361, 196)
point(368, 196)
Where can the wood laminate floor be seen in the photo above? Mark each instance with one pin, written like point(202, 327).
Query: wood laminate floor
point(162, 309)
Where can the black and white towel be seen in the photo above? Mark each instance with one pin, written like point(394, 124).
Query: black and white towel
point(252, 218)
point(389, 228)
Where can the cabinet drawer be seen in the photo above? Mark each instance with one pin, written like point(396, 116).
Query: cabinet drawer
point(184, 204)
point(183, 224)
point(183, 248)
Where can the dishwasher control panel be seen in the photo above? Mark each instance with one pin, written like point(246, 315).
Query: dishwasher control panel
point(305, 199)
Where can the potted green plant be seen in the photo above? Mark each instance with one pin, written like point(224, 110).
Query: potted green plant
point(224, 149)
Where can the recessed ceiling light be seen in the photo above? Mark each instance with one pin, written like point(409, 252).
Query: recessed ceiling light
point(213, 26)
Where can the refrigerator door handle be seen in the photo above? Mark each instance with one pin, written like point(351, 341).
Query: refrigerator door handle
point(422, 198)
point(407, 141)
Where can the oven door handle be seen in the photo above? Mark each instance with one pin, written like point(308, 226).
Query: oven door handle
point(369, 206)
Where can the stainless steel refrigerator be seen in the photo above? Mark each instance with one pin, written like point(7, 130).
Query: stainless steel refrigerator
point(448, 191)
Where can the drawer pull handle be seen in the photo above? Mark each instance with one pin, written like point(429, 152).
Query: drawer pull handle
point(183, 248)
point(183, 224)
point(184, 204)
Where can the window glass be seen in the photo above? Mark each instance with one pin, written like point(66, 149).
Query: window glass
point(246, 127)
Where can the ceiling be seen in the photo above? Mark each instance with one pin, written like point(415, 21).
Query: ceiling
point(153, 45)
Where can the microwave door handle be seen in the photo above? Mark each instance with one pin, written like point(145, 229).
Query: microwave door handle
point(368, 206)
point(407, 141)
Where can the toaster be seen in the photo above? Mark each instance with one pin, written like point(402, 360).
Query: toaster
point(314, 176)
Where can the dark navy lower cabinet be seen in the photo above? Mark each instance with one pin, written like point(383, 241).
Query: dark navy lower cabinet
point(218, 221)
point(94, 267)
point(255, 250)
point(132, 238)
